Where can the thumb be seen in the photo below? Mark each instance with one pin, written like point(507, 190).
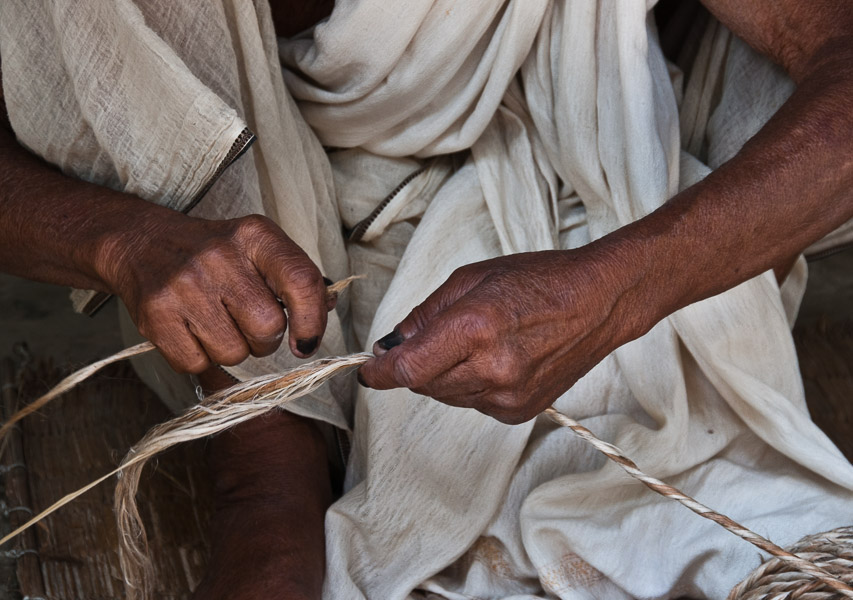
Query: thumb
point(415, 361)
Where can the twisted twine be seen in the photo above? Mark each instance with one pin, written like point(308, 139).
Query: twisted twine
point(833, 551)
point(656, 485)
point(252, 398)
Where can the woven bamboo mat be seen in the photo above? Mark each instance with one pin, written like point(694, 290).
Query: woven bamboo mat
point(85, 434)
point(80, 437)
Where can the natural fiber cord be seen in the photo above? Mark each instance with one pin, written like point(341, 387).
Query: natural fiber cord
point(807, 570)
point(820, 567)
point(214, 414)
point(832, 551)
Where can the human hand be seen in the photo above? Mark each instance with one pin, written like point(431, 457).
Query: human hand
point(205, 292)
point(508, 336)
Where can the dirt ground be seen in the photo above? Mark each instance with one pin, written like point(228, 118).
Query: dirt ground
point(37, 319)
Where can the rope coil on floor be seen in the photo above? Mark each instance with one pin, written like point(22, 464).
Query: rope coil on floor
point(774, 579)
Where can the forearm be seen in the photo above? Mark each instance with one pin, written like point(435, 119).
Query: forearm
point(55, 228)
point(789, 186)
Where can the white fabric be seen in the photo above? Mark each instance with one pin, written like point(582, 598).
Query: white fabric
point(710, 399)
point(574, 129)
point(145, 99)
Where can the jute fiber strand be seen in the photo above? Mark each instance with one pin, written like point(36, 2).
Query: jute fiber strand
point(250, 399)
point(71, 381)
point(214, 414)
point(332, 290)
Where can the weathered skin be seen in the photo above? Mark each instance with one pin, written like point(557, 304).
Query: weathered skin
point(204, 291)
point(483, 340)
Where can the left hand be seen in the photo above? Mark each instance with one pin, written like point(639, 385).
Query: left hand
point(508, 336)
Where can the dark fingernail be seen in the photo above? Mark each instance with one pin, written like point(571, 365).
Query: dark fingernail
point(389, 341)
point(360, 379)
point(307, 346)
point(327, 281)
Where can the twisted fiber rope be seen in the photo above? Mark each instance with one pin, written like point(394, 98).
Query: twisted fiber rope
point(833, 551)
point(255, 397)
point(616, 455)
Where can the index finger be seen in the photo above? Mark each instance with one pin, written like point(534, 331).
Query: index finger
point(294, 278)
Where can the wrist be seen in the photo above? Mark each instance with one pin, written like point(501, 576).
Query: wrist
point(680, 254)
point(120, 237)
point(635, 266)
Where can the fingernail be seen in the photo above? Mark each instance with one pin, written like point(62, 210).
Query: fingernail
point(327, 281)
point(360, 379)
point(308, 346)
point(389, 341)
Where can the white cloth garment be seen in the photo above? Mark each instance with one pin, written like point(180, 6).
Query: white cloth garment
point(145, 99)
point(710, 398)
point(572, 124)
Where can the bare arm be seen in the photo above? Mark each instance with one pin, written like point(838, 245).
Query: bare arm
point(51, 241)
point(792, 183)
point(509, 335)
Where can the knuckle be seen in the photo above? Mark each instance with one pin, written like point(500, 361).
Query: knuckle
point(227, 348)
point(231, 355)
point(405, 372)
point(506, 372)
point(415, 321)
point(499, 367)
point(305, 278)
point(266, 323)
point(251, 227)
point(213, 255)
point(155, 305)
point(155, 320)
point(258, 314)
point(479, 323)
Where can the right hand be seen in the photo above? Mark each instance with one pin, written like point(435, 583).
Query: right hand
point(205, 292)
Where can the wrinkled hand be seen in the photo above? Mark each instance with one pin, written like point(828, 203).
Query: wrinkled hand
point(508, 336)
point(205, 292)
